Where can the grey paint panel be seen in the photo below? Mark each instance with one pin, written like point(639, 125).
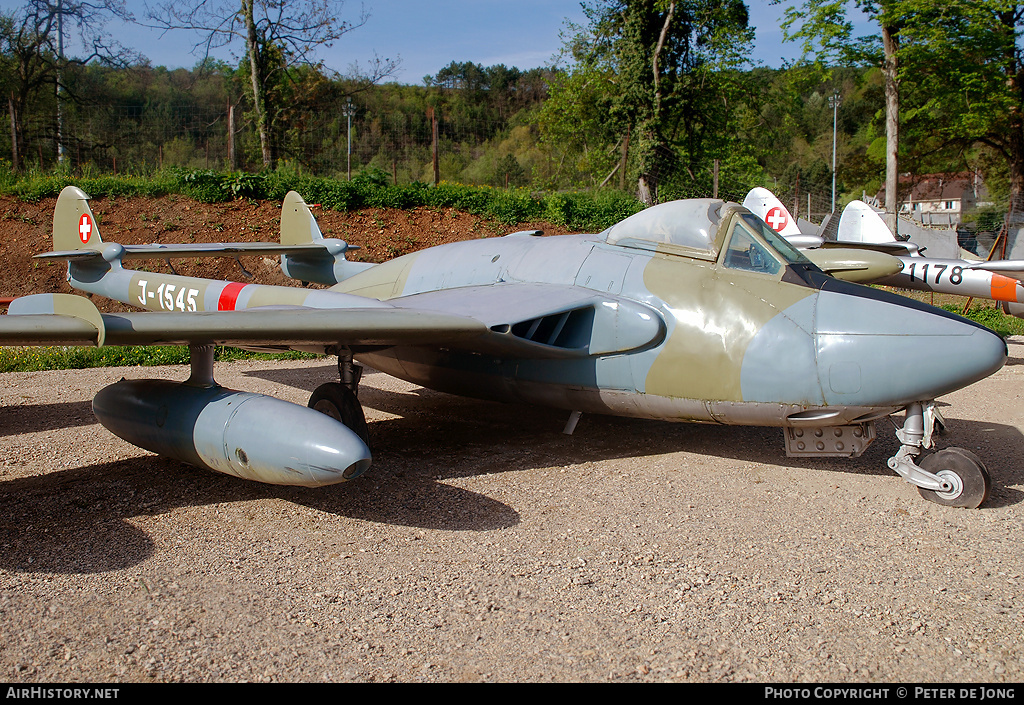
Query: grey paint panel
point(839, 313)
point(780, 361)
point(897, 369)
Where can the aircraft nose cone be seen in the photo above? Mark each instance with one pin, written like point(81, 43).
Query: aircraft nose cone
point(880, 349)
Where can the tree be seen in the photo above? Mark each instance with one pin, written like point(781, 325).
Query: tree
point(968, 69)
point(658, 70)
point(960, 61)
point(827, 33)
point(275, 34)
point(32, 51)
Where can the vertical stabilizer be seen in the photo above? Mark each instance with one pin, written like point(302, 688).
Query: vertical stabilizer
point(862, 223)
point(766, 206)
point(324, 265)
point(74, 225)
point(298, 226)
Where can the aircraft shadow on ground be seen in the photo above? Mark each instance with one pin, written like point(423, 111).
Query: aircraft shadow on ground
point(45, 417)
point(431, 438)
point(305, 378)
point(1015, 352)
point(476, 437)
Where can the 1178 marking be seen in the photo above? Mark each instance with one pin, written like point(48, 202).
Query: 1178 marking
point(956, 275)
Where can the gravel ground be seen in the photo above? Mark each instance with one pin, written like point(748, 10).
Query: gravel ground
point(485, 545)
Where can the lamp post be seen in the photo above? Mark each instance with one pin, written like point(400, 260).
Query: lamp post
point(348, 112)
point(833, 103)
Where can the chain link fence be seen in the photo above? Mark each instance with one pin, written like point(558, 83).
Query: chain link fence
point(400, 147)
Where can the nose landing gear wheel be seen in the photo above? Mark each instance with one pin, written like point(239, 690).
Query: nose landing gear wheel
point(337, 401)
point(963, 470)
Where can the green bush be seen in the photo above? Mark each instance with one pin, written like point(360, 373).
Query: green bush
point(368, 189)
point(514, 206)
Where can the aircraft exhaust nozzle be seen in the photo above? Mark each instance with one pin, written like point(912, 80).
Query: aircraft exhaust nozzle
point(251, 436)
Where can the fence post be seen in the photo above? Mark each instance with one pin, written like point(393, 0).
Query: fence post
point(433, 144)
point(232, 161)
point(796, 198)
point(15, 157)
point(622, 161)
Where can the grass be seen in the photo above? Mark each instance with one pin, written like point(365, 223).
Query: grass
point(992, 318)
point(34, 359)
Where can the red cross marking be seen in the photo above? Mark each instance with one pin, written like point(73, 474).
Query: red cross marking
point(777, 219)
point(84, 228)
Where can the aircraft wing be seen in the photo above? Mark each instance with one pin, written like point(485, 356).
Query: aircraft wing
point(64, 319)
point(1007, 267)
point(520, 320)
point(896, 249)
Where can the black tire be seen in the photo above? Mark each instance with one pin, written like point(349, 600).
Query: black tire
point(965, 470)
point(337, 401)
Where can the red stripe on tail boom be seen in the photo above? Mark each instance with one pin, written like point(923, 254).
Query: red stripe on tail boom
point(229, 297)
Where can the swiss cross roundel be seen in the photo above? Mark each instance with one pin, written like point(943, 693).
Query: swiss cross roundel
point(777, 219)
point(84, 228)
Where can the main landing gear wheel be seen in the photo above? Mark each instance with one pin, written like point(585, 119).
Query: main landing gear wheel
point(340, 403)
point(966, 474)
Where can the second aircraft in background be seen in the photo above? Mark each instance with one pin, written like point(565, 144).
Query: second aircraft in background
point(862, 233)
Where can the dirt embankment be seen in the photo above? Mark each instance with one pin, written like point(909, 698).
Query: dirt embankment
point(381, 234)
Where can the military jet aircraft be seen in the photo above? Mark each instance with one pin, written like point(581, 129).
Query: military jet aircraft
point(863, 233)
point(691, 310)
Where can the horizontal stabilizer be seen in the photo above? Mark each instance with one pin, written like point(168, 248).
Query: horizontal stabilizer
point(1007, 267)
point(216, 249)
point(896, 249)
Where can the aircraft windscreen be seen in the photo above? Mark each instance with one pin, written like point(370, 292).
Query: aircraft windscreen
point(779, 243)
point(745, 252)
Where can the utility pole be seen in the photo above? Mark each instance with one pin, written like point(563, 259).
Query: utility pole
point(833, 103)
point(348, 112)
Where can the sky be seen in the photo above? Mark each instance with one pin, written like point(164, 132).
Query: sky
point(428, 35)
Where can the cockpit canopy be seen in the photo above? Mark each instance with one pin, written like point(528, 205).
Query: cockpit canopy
point(699, 228)
point(688, 227)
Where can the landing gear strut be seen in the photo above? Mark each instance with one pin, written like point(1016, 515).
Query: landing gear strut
point(338, 399)
point(953, 477)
